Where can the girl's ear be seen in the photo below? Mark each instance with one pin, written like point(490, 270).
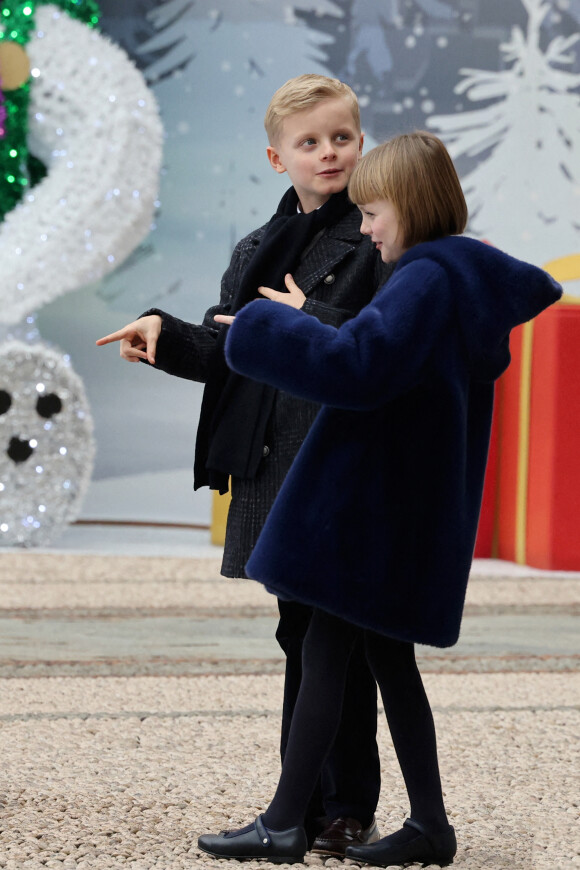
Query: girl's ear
point(275, 159)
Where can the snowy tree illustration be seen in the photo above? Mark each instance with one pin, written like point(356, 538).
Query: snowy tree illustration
point(369, 25)
point(172, 18)
point(524, 193)
point(394, 53)
point(132, 26)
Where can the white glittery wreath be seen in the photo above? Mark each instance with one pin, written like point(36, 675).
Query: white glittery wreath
point(95, 124)
point(46, 443)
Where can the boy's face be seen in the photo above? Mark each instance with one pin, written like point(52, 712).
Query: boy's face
point(318, 148)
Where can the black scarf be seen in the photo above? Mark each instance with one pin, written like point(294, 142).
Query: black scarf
point(235, 410)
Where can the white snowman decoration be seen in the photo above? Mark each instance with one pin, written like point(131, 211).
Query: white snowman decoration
point(94, 124)
point(46, 436)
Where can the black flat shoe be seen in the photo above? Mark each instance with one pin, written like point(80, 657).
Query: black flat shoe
point(425, 848)
point(279, 847)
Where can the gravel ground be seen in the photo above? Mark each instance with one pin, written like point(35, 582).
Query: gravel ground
point(51, 581)
point(116, 772)
point(111, 772)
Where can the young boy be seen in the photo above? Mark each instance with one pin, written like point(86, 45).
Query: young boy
point(249, 433)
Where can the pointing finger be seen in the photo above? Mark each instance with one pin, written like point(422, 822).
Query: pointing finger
point(113, 336)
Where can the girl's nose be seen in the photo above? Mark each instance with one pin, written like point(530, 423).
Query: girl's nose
point(364, 230)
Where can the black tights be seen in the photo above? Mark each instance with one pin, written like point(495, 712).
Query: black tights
point(327, 649)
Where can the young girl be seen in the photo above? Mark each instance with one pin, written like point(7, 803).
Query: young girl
point(375, 524)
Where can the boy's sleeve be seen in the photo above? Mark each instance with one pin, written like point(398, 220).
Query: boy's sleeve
point(371, 359)
point(184, 349)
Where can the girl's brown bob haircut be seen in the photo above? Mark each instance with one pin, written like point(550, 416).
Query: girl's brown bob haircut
point(415, 172)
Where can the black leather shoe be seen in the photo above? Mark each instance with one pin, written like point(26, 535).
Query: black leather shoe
point(425, 848)
point(314, 826)
point(279, 847)
point(343, 832)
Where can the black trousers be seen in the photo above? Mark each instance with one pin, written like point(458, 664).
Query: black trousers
point(350, 781)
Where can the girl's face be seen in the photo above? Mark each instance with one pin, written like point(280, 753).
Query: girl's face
point(381, 223)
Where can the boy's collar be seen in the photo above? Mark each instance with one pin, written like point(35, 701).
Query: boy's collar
point(347, 229)
point(299, 207)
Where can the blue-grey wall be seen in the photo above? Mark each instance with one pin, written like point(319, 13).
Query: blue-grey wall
point(442, 64)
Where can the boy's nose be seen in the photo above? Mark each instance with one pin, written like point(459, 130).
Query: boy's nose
point(328, 151)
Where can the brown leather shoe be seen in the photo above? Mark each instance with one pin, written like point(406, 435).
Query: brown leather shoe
point(343, 832)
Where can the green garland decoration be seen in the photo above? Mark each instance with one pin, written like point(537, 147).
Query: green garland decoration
point(16, 20)
point(19, 170)
point(13, 150)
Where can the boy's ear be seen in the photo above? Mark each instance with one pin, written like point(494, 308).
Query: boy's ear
point(275, 159)
point(360, 144)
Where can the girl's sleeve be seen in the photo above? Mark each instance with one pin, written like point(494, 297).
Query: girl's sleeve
point(371, 359)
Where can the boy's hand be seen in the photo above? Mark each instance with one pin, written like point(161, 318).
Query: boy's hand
point(224, 318)
point(295, 297)
point(138, 339)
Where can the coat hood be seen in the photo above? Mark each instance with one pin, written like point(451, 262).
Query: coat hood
point(495, 292)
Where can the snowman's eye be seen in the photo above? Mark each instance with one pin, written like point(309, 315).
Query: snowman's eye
point(49, 405)
point(5, 401)
point(19, 449)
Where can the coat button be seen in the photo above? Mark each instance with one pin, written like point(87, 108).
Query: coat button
point(330, 279)
point(266, 450)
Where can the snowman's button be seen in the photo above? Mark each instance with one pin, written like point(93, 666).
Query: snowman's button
point(15, 66)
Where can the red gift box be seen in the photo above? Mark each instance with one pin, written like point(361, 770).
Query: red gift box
point(530, 512)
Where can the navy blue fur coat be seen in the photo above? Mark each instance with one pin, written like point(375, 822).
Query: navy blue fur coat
point(377, 518)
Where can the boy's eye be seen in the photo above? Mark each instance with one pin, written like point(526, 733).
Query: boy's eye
point(343, 137)
point(309, 141)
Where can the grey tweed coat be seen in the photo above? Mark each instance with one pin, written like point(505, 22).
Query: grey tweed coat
point(339, 272)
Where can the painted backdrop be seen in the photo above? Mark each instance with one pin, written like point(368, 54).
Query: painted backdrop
point(499, 80)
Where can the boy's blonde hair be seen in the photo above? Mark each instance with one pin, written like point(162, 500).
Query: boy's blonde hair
point(304, 92)
point(415, 172)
